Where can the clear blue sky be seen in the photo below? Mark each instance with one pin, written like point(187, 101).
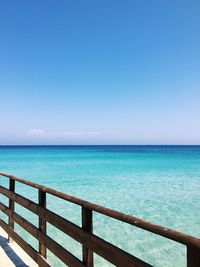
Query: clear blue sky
point(100, 72)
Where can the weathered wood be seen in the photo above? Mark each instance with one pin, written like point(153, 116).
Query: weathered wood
point(42, 222)
point(52, 245)
point(154, 228)
point(11, 207)
point(87, 225)
point(106, 250)
point(193, 257)
point(26, 247)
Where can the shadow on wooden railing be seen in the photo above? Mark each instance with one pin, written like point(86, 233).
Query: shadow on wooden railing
point(90, 242)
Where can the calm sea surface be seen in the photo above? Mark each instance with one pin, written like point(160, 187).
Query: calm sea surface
point(160, 184)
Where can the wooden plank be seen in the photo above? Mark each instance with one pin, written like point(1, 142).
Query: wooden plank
point(21, 221)
point(106, 250)
point(154, 228)
point(60, 252)
point(64, 255)
point(193, 257)
point(26, 247)
point(88, 227)
point(42, 222)
point(11, 207)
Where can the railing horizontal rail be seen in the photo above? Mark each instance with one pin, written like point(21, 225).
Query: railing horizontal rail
point(108, 251)
point(154, 228)
point(26, 247)
point(52, 245)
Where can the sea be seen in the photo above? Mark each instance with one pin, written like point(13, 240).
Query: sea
point(160, 184)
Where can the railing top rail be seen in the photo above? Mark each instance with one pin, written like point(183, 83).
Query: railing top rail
point(151, 227)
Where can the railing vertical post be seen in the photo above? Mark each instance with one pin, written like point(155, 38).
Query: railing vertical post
point(87, 225)
point(42, 222)
point(11, 207)
point(193, 256)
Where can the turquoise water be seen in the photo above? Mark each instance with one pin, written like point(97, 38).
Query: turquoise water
point(160, 184)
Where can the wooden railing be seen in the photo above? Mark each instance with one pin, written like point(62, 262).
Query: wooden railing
point(84, 235)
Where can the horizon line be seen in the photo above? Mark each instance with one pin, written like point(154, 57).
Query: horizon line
point(99, 144)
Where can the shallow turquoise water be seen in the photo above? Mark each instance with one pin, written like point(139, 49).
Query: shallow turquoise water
point(160, 184)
